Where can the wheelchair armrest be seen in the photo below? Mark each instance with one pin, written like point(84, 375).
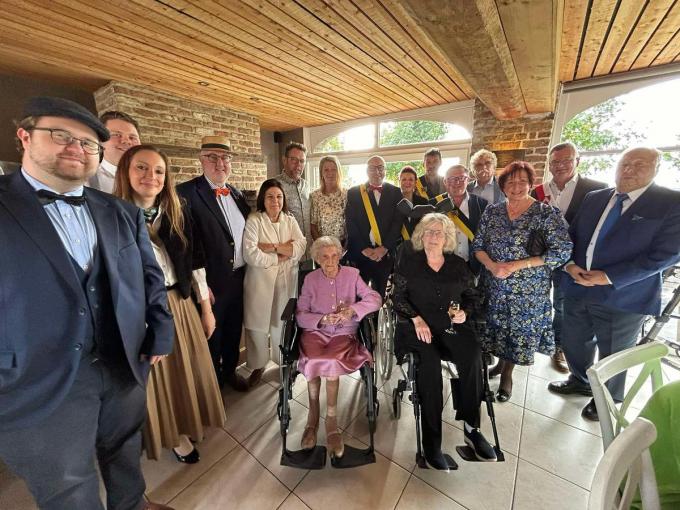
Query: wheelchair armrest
point(289, 311)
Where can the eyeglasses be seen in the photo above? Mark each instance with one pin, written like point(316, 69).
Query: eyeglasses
point(377, 168)
point(214, 158)
point(63, 137)
point(297, 161)
point(562, 162)
point(434, 233)
point(456, 180)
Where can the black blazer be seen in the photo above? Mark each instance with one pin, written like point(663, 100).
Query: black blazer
point(211, 231)
point(388, 218)
point(42, 303)
point(583, 187)
point(410, 223)
point(184, 258)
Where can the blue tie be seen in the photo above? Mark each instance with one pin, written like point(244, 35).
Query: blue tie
point(612, 217)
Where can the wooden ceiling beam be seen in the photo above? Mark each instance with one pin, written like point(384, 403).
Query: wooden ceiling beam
point(663, 34)
point(626, 17)
point(575, 15)
point(599, 20)
point(669, 53)
point(471, 35)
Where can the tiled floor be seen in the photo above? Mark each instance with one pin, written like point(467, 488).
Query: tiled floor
point(550, 453)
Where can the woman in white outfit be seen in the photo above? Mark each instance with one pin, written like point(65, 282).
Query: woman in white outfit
point(272, 247)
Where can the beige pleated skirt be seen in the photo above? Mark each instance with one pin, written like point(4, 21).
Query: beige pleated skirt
point(182, 395)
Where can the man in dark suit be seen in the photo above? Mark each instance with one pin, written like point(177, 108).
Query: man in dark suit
point(467, 210)
point(566, 191)
point(84, 313)
point(219, 213)
point(373, 225)
point(430, 184)
point(483, 164)
point(624, 239)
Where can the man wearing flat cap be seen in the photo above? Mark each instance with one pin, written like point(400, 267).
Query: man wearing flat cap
point(84, 314)
point(219, 213)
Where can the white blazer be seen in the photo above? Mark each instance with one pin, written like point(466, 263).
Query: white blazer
point(262, 289)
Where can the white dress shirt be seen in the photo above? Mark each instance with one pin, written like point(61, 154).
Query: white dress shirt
point(632, 197)
point(562, 198)
point(235, 221)
point(105, 177)
point(462, 242)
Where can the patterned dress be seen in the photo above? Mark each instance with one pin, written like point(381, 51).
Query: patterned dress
point(519, 313)
point(328, 213)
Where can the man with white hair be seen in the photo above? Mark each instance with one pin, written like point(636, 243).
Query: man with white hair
point(624, 238)
point(483, 165)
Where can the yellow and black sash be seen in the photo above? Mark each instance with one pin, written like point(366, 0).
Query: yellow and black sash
point(461, 221)
point(371, 215)
point(420, 188)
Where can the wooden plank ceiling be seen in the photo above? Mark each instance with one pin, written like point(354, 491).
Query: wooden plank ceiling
point(308, 62)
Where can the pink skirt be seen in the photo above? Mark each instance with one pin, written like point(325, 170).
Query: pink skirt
point(330, 356)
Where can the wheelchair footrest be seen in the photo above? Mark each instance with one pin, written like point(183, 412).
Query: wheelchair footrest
point(314, 458)
point(468, 454)
point(353, 457)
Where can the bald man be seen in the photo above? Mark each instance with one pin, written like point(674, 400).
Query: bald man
point(624, 238)
point(373, 225)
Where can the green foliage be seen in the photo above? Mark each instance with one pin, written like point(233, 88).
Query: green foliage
point(392, 170)
point(595, 129)
point(330, 144)
point(412, 131)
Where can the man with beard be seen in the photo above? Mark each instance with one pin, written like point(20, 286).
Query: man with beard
point(84, 314)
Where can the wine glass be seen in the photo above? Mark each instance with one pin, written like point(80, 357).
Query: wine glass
point(454, 306)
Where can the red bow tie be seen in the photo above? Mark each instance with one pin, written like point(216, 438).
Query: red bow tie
point(224, 192)
point(375, 188)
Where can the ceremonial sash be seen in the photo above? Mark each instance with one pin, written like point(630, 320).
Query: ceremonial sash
point(459, 220)
point(404, 233)
point(371, 215)
point(420, 188)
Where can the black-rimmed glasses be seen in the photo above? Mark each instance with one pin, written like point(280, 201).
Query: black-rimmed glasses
point(214, 158)
point(63, 137)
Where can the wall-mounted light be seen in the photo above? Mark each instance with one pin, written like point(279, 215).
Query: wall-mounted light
point(203, 83)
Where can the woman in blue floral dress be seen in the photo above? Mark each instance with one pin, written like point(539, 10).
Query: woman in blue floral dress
point(517, 285)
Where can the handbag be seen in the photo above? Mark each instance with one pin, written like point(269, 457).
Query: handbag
point(536, 245)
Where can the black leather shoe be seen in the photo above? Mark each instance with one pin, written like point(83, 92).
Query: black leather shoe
point(476, 440)
point(191, 458)
point(502, 395)
point(570, 387)
point(237, 382)
point(590, 411)
point(440, 461)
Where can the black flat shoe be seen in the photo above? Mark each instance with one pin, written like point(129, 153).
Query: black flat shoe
point(441, 461)
point(502, 395)
point(191, 458)
point(590, 411)
point(480, 446)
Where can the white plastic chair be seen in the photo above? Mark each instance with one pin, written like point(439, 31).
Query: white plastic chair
point(613, 419)
point(626, 460)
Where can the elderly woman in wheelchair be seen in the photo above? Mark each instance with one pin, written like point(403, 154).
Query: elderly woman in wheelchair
point(433, 288)
point(332, 302)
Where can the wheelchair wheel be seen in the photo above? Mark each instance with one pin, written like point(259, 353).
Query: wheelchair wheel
point(372, 404)
point(385, 349)
point(396, 403)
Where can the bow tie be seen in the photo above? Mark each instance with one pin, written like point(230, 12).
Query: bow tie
point(47, 197)
point(222, 192)
point(372, 187)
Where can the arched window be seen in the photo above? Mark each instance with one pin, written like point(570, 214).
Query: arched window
point(408, 132)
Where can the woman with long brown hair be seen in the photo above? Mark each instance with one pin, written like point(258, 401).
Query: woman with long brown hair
point(183, 395)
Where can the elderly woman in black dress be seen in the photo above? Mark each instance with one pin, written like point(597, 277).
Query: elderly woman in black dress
point(427, 281)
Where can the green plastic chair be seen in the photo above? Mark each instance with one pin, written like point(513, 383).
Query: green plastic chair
point(613, 418)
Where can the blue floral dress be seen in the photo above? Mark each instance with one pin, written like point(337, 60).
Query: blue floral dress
point(519, 313)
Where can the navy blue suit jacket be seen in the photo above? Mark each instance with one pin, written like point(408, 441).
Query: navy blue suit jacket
point(644, 242)
point(41, 325)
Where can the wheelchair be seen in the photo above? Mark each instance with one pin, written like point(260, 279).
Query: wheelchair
point(408, 365)
point(315, 458)
point(387, 323)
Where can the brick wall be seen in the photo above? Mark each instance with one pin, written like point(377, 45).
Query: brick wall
point(176, 125)
point(529, 132)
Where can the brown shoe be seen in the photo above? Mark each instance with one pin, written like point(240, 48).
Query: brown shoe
point(148, 505)
point(238, 382)
point(559, 362)
point(255, 377)
point(335, 445)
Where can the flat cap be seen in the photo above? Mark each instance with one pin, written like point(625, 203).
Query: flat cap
point(216, 142)
point(44, 106)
